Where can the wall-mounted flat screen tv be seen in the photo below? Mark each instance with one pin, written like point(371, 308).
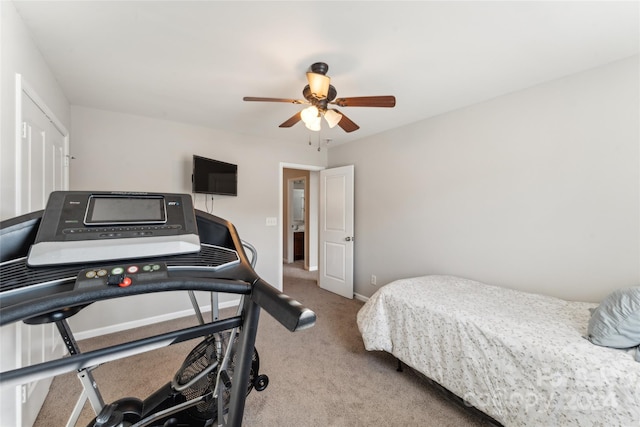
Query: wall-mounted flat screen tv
point(214, 177)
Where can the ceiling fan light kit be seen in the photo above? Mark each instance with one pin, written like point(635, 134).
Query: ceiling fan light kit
point(309, 114)
point(318, 84)
point(332, 117)
point(311, 118)
point(319, 94)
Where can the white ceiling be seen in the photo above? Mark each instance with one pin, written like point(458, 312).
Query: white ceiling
point(194, 61)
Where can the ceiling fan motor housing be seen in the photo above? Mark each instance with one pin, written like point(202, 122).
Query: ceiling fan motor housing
point(319, 68)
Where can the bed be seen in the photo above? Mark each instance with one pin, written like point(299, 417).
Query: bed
point(521, 358)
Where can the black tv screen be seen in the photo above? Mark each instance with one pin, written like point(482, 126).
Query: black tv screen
point(214, 177)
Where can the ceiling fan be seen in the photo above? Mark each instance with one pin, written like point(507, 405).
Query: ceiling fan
point(319, 95)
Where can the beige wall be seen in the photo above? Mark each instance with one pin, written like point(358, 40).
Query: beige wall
point(537, 190)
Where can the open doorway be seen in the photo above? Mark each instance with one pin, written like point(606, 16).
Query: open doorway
point(336, 191)
point(299, 218)
point(296, 219)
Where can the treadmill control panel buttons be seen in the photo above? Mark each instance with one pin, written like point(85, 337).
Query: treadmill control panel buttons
point(121, 275)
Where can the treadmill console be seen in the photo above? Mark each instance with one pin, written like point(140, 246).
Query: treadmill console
point(80, 227)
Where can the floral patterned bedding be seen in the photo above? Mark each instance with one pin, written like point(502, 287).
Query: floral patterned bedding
point(519, 357)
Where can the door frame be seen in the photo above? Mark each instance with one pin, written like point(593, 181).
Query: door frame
point(289, 215)
point(281, 213)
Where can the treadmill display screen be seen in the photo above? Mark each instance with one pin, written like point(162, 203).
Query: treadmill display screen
point(115, 210)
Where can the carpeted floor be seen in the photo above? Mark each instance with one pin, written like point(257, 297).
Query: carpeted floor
point(318, 377)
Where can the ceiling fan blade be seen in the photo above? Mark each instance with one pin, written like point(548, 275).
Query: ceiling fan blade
point(290, 101)
point(346, 123)
point(367, 101)
point(291, 121)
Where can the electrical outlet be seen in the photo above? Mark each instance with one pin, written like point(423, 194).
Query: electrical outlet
point(373, 279)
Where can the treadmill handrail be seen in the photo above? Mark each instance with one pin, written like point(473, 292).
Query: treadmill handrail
point(62, 300)
point(289, 312)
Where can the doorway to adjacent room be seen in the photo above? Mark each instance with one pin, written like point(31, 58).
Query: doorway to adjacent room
point(325, 217)
point(300, 218)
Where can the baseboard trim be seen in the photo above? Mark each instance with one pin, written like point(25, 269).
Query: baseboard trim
point(360, 297)
point(119, 327)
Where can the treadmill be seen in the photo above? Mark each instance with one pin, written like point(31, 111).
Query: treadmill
point(86, 247)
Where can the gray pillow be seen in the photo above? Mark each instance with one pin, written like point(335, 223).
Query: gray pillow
point(616, 321)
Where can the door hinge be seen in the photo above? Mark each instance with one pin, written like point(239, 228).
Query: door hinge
point(24, 129)
point(24, 394)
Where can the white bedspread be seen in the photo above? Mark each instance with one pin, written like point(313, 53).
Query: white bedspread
point(520, 358)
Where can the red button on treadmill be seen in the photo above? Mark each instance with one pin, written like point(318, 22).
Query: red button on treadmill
point(125, 282)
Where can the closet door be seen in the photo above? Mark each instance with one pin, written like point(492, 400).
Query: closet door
point(41, 167)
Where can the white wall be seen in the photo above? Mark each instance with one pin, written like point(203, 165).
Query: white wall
point(121, 152)
point(18, 54)
point(537, 190)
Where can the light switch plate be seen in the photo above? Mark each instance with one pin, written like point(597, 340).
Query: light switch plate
point(272, 221)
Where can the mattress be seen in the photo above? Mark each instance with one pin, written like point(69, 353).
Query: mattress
point(520, 358)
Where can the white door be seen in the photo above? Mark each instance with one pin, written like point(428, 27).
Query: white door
point(41, 160)
point(336, 230)
point(43, 157)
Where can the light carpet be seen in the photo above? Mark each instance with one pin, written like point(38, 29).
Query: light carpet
point(321, 376)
